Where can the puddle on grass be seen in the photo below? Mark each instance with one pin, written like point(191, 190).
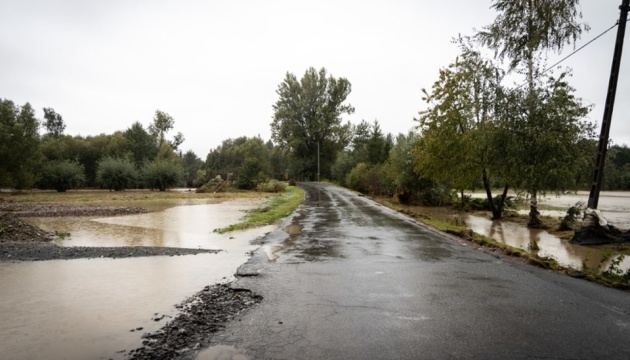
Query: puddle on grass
point(85, 309)
point(521, 237)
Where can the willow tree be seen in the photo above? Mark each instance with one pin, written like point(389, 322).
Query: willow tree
point(463, 108)
point(523, 33)
point(307, 120)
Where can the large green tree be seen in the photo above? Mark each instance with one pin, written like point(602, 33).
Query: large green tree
point(62, 175)
point(19, 145)
point(162, 124)
point(541, 143)
point(191, 164)
point(53, 122)
point(464, 106)
point(307, 120)
point(140, 144)
point(522, 33)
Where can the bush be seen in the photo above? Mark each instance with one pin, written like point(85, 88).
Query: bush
point(116, 174)
point(272, 186)
point(251, 174)
point(62, 175)
point(356, 178)
point(161, 174)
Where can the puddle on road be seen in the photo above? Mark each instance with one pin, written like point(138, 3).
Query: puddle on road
point(293, 229)
point(521, 237)
point(85, 309)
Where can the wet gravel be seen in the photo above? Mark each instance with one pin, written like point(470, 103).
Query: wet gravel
point(40, 251)
point(55, 209)
point(200, 315)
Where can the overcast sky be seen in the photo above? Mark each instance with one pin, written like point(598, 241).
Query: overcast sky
point(215, 65)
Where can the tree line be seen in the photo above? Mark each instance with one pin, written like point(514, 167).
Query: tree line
point(135, 157)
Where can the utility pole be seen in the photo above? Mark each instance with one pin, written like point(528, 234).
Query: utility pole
point(598, 174)
point(318, 157)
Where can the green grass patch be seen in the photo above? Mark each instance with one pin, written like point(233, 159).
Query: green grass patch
point(277, 207)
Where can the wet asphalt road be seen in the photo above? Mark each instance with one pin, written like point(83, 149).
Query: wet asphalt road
point(355, 280)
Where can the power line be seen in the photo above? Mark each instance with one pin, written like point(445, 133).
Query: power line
point(581, 47)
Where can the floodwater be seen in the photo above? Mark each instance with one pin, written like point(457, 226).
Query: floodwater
point(86, 308)
point(614, 205)
point(519, 236)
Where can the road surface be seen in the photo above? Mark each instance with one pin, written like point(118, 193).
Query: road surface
point(355, 280)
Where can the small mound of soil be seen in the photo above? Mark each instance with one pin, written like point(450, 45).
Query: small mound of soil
point(13, 229)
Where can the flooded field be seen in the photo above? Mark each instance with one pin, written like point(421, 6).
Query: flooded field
point(87, 309)
point(615, 206)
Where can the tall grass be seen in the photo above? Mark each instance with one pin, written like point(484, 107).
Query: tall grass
point(277, 207)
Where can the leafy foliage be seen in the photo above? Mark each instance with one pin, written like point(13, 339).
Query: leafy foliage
point(271, 186)
point(191, 165)
point(62, 175)
point(465, 107)
point(522, 33)
point(161, 174)
point(307, 120)
point(54, 122)
point(140, 144)
point(247, 159)
point(524, 27)
point(19, 145)
point(541, 137)
point(116, 174)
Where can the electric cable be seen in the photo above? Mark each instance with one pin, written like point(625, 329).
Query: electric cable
point(581, 47)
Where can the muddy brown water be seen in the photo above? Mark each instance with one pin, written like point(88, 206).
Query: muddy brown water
point(86, 309)
point(614, 205)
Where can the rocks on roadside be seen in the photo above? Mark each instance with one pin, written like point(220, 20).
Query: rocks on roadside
point(200, 315)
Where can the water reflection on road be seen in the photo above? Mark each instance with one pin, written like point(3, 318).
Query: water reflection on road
point(85, 309)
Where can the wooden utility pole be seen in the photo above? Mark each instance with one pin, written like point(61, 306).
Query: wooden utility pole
point(602, 147)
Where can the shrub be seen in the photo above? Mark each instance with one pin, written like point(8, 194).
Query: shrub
point(573, 213)
point(251, 174)
point(273, 186)
point(161, 174)
point(116, 174)
point(356, 178)
point(62, 175)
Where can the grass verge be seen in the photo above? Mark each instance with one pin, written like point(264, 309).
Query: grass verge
point(277, 207)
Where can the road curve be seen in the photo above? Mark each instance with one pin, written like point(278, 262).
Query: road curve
point(355, 280)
